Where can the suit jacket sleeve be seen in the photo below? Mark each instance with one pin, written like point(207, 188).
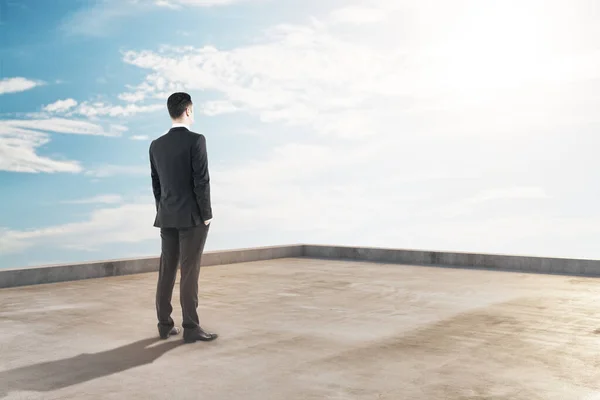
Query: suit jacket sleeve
point(155, 181)
point(201, 177)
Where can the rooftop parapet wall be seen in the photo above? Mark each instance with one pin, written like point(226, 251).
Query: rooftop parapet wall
point(564, 266)
point(61, 273)
point(101, 269)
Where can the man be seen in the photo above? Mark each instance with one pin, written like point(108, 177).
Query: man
point(181, 186)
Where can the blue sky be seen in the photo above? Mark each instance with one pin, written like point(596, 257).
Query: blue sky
point(412, 124)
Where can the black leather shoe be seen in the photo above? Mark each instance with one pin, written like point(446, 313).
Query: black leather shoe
point(164, 334)
point(198, 334)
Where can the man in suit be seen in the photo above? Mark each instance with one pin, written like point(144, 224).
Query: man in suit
point(181, 186)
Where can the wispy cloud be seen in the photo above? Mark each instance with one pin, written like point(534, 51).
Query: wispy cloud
point(419, 110)
point(104, 16)
point(140, 137)
point(102, 199)
point(177, 4)
point(18, 153)
point(306, 87)
point(59, 125)
point(403, 125)
point(132, 97)
point(109, 170)
point(497, 198)
point(99, 109)
point(359, 83)
point(101, 17)
point(212, 108)
point(117, 224)
point(60, 106)
point(166, 4)
point(20, 139)
point(358, 15)
point(18, 84)
point(511, 193)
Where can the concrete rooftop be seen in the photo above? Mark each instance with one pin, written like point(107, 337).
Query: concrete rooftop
point(299, 328)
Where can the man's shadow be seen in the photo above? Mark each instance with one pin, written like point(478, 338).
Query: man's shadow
point(53, 375)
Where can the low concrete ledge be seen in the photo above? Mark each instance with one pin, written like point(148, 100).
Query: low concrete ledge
point(562, 266)
point(250, 254)
point(71, 272)
point(101, 269)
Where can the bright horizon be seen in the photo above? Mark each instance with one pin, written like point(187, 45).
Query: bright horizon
point(465, 126)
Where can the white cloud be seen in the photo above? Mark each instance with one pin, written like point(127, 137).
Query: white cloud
point(440, 106)
point(103, 17)
point(109, 170)
point(21, 139)
point(102, 199)
point(496, 198)
point(99, 109)
point(127, 223)
point(18, 153)
point(178, 4)
point(517, 193)
point(167, 4)
point(132, 97)
point(292, 92)
point(140, 137)
point(212, 108)
point(406, 122)
point(60, 125)
point(415, 70)
point(118, 129)
point(60, 106)
point(337, 214)
point(99, 19)
point(358, 15)
point(18, 84)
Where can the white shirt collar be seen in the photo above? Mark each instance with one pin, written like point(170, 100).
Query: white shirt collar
point(180, 125)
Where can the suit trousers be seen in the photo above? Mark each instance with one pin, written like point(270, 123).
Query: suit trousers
point(185, 247)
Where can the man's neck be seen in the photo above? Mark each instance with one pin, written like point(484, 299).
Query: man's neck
point(181, 125)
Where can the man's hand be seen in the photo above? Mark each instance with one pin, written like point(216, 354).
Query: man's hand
point(207, 222)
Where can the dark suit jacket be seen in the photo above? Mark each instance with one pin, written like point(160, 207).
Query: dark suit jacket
point(180, 180)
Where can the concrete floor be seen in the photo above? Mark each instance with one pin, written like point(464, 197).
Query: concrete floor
point(309, 329)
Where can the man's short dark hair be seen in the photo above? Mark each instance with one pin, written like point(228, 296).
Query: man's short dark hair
point(177, 103)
